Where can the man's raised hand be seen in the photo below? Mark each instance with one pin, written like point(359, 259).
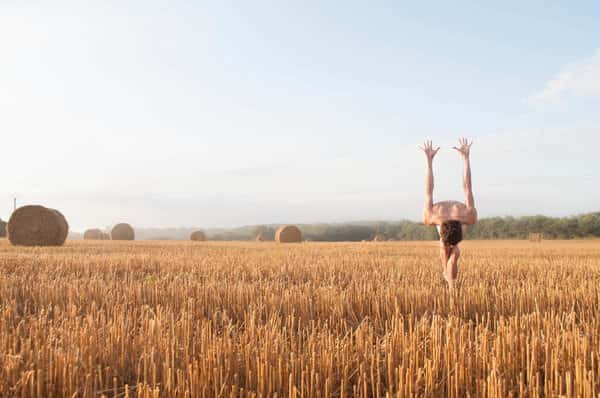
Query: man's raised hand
point(429, 151)
point(464, 147)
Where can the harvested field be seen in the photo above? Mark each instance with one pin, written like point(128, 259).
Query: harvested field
point(179, 319)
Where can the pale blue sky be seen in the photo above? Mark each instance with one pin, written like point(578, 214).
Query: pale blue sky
point(232, 113)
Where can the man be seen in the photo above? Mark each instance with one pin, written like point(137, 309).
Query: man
point(449, 216)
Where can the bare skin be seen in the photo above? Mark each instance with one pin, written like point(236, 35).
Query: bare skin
point(440, 212)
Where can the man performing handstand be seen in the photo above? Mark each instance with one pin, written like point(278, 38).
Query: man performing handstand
point(449, 216)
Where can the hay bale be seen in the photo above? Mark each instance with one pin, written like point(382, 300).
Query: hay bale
point(2, 229)
point(379, 238)
point(122, 231)
point(288, 234)
point(37, 226)
point(64, 225)
point(198, 236)
point(536, 237)
point(93, 234)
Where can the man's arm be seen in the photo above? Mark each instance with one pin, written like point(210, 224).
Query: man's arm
point(429, 155)
point(470, 202)
point(465, 149)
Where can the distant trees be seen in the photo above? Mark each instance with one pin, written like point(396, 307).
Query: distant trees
point(582, 226)
point(265, 233)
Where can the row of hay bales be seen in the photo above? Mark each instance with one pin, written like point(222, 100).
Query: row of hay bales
point(35, 225)
point(122, 231)
point(285, 234)
point(96, 234)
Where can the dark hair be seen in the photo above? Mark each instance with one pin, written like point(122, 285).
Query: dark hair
point(451, 233)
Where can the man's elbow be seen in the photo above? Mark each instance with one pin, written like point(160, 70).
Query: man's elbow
point(473, 217)
point(427, 219)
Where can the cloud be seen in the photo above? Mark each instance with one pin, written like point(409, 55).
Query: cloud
point(576, 80)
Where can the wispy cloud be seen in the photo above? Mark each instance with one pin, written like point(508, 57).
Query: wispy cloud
point(576, 80)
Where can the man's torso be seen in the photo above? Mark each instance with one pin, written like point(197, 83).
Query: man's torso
point(451, 210)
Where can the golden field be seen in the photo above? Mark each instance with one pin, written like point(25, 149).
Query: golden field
point(189, 319)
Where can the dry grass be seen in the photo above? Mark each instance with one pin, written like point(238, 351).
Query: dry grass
point(247, 319)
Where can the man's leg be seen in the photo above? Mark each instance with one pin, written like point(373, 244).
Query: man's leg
point(449, 257)
point(452, 266)
point(445, 256)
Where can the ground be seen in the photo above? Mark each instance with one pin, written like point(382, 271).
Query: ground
point(310, 319)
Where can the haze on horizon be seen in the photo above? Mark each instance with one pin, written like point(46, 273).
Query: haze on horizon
point(220, 114)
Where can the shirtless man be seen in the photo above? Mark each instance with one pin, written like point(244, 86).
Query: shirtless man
point(449, 216)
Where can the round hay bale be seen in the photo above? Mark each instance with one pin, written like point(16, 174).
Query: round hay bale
point(122, 231)
point(2, 229)
point(37, 226)
point(64, 225)
point(288, 234)
point(93, 234)
point(379, 238)
point(198, 236)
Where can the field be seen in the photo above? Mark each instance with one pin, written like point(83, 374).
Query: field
point(183, 319)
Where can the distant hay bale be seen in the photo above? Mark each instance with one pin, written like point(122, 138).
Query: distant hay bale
point(537, 237)
point(2, 229)
point(37, 226)
point(198, 236)
point(122, 231)
point(94, 234)
point(288, 234)
point(379, 238)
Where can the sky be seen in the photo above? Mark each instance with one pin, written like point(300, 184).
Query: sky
point(222, 113)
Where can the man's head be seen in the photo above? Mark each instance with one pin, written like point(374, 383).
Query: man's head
point(451, 233)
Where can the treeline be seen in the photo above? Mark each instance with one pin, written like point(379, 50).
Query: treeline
point(582, 226)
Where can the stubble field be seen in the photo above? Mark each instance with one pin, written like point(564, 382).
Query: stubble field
point(183, 319)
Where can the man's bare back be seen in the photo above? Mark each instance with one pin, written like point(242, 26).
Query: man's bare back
point(452, 210)
point(450, 217)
